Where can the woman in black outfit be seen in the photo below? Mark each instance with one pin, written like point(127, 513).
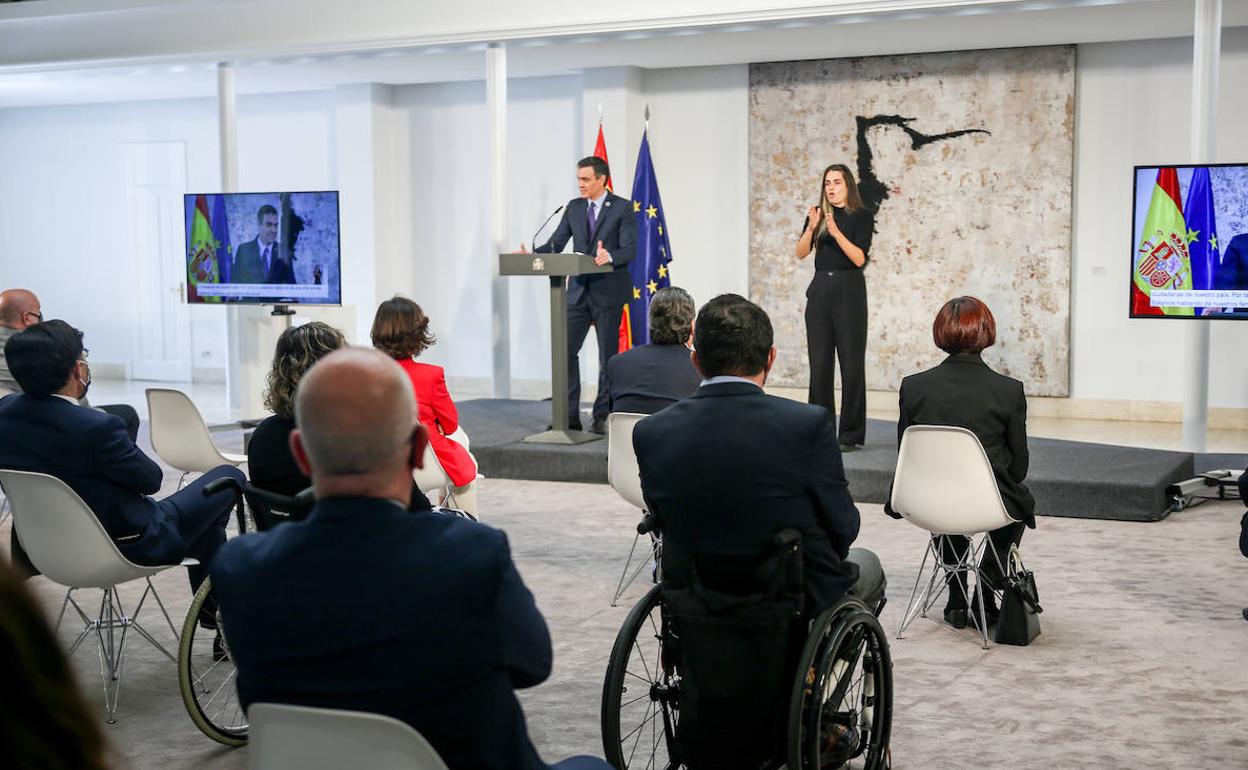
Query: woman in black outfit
point(839, 231)
point(272, 466)
point(964, 392)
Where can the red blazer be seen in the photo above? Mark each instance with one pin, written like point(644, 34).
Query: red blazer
point(438, 415)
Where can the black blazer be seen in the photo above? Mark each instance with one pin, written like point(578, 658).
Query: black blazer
point(249, 269)
point(364, 606)
point(90, 451)
point(272, 465)
point(649, 378)
point(963, 391)
point(617, 229)
point(727, 468)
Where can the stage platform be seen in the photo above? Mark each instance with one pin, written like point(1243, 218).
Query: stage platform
point(1068, 478)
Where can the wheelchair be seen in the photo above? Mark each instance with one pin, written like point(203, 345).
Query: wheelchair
point(205, 669)
point(723, 669)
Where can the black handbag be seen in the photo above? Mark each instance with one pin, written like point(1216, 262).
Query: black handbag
point(1019, 622)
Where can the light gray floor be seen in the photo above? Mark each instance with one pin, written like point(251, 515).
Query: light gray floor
point(1141, 663)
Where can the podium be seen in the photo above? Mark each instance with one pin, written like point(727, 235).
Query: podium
point(555, 267)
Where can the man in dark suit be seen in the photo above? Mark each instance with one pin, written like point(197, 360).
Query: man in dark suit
point(1232, 274)
point(599, 223)
point(650, 377)
point(20, 308)
point(366, 606)
point(262, 259)
point(725, 470)
point(46, 431)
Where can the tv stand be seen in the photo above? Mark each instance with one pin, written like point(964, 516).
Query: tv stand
point(280, 310)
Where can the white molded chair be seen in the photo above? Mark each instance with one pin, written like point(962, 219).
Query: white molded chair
point(625, 478)
point(945, 485)
point(302, 738)
point(180, 436)
point(67, 543)
point(431, 478)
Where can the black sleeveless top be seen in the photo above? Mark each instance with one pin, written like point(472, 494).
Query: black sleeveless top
point(857, 226)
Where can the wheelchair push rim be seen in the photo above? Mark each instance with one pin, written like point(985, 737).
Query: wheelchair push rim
point(843, 693)
point(207, 681)
point(640, 698)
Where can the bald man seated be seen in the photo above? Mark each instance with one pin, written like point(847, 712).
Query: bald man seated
point(20, 308)
point(366, 606)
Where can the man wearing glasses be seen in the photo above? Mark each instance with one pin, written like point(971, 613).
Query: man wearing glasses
point(19, 308)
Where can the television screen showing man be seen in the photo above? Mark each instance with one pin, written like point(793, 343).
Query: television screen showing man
point(262, 260)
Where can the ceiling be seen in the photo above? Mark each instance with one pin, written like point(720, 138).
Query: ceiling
point(56, 71)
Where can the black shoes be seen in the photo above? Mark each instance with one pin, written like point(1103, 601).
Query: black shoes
point(850, 447)
point(599, 427)
point(218, 648)
point(572, 425)
point(956, 616)
point(991, 611)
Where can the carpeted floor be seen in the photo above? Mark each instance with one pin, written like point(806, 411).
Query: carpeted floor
point(1140, 664)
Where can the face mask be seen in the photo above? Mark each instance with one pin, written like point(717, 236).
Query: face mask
point(85, 385)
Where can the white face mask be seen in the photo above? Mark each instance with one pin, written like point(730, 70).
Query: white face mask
point(85, 385)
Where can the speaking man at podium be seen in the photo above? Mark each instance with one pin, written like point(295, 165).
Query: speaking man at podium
point(599, 223)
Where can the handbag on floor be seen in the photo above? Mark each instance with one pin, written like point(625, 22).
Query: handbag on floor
point(1019, 622)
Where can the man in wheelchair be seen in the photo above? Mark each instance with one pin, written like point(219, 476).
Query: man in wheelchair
point(768, 645)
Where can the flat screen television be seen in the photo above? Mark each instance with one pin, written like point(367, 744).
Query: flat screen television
point(278, 248)
point(1189, 236)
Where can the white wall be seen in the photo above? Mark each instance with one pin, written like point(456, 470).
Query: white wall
point(59, 190)
point(1133, 108)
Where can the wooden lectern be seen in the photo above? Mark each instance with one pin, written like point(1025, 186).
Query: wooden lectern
point(556, 267)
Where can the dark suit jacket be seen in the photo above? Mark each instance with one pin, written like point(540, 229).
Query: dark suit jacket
point(727, 468)
point(963, 391)
point(649, 378)
point(90, 451)
point(1233, 272)
point(365, 606)
point(249, 267)
point(617, 229)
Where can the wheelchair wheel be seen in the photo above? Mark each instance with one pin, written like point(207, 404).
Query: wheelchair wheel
point(840, 714)
point(206, 678)
point(640, 698)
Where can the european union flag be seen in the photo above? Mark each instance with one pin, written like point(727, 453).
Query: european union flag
point(1202, 234)
point(654, 250)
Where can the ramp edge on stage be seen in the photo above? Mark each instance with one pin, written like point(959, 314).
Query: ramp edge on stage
point(1068, 478)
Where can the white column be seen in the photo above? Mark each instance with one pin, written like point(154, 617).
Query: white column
point(500, 311)
point(1206, 49)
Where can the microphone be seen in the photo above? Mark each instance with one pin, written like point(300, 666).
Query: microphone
point(543, 227)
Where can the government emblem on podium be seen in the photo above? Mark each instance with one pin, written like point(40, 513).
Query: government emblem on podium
point(538, 265)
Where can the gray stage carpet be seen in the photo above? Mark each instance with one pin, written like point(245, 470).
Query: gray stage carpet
point(1068, 478)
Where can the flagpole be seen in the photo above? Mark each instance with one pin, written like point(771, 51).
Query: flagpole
point(1206, 51)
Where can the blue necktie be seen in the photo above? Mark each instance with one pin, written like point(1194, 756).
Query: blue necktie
point(593, 224)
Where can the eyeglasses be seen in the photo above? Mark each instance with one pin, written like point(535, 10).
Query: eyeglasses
point(36, 314)
point(85, 355)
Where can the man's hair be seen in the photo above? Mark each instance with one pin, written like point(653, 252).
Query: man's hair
point(732, 336)
point(964, 325)
point(599, 165)
point(359, 422)
point(42, 356)
point(671, 316)
point(264, 211)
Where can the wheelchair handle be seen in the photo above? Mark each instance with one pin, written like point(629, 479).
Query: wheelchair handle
point(222, 484)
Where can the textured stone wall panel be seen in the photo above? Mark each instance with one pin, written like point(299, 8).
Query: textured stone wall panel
point(987, 214)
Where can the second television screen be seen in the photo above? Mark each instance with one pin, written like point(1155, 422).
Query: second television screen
point(1190, 242)
point(263, 248)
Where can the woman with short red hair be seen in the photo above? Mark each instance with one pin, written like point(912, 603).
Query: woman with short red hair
point(965, 392)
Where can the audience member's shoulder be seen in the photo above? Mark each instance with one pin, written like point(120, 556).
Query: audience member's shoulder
point(796, 410)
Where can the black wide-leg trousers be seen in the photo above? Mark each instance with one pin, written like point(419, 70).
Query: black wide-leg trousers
point(836, 329)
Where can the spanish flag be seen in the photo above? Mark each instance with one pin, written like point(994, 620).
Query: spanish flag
point(1162, 259)
point(201, 258)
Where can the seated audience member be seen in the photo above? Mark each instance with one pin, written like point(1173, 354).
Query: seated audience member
point(419, 616)
point(20, 308)
point(401, 331)
point(650, 377)
point(46, 431)
point(963, 391)
point(727, 468)
point(269, 461)
point(44, 721)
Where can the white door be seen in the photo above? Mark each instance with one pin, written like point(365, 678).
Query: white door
point(155, 181)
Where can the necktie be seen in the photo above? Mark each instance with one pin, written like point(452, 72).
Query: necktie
point(593, 223)
point(267, 250)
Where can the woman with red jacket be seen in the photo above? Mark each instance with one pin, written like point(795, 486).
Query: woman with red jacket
point(401, 330)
